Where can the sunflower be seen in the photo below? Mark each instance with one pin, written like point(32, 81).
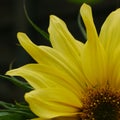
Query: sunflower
point(74, 80)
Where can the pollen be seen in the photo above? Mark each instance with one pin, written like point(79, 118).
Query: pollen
point(101, 104)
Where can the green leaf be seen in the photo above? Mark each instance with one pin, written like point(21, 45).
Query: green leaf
point(25, 86)
point(16, 111)
point(11, 116)
point(43, 33)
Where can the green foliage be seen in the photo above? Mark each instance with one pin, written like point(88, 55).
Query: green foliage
point(39, 30)
point(25, 86)
point(16, 111)
point(10, 116)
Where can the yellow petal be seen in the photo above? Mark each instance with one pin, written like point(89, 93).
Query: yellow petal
point(29, 46)
point(110, 32)
point(74, 71)
point(51, 57)
point(31, 74)
point(110, 38)
point(53, 102)
point(114, 68)
point(39, 119)
point(37, 53)
point(93, 55)
point(86, 14)
point(40, 76)
point(62, 40)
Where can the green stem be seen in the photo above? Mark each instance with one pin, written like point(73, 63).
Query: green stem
point(81, 27)
point(43, 33)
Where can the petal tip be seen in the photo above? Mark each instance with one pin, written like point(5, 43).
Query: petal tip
point(20, 34)
point(54, 19)
point(85, 9)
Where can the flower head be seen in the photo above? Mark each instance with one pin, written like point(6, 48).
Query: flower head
point(73, 80)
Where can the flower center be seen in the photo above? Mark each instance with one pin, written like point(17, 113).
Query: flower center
point(101, 104)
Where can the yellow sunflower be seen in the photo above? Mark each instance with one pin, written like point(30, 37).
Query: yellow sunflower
point(73, 80)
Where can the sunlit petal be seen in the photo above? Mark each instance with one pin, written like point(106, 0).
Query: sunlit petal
point(61, 38)
point(93, 55)
point(40, 119)
point(40, 76)
point(53, 102)
point(110, 32)
point(110, 38)
point(63, 41)
point(47, 56)
point(68, 66)
point(114, 68)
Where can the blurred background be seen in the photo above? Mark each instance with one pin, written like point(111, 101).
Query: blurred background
point(13, 20)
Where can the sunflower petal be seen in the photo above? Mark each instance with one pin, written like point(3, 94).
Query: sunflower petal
point(40, 119)
point(86, 14)
point(29, 46)
point(93, 55)
point(113, 70)
point(53, 102)
point(32, 74)
point(68, 66)
point(50, 56)
point(62, 40)
point(110, 32)
point(40, 55)
point(110, 38)
point(40, 76)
